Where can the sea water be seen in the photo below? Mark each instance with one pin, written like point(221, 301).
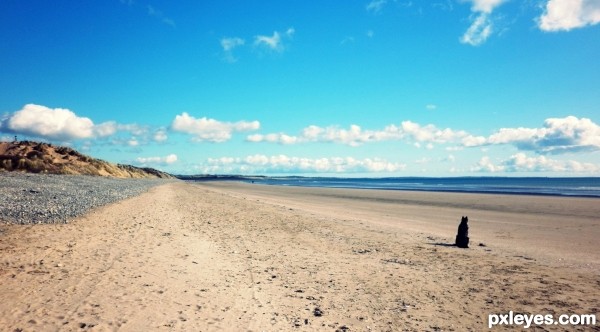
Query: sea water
point(576, 186)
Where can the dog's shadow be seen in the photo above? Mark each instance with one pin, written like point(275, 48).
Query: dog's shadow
point(441, 244)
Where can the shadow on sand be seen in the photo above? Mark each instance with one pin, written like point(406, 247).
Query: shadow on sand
point(443, 244)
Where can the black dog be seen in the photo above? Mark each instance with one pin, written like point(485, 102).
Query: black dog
point(462, 238)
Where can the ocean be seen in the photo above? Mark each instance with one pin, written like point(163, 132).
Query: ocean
point(579, 186)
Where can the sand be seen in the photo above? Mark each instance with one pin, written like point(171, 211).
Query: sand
point(240, 257)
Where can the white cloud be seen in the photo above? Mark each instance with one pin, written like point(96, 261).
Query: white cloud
point(64, 125)
point(111, 128)
point(284, 164)
point(279, 138)
point(133, 142)
point(204, 129)
point(522, 163)
point(481, 23)
point(133, 128)
point(479, 31)
point(431, 107)
point(274, 42)
point(167, 160)
point(430, 133)
point(271, 42)
point(352, 136)
point(356, 136)
point(558, 135)
point(486, 165)
point(569, 14)
point(160, 136)
point(375, 6)
point(228, 45)
point(484, 6)
point(470, 141)
point(50, 123)
point(105, 129)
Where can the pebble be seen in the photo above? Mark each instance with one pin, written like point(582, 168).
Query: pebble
point(317, 312)
point(27, 198)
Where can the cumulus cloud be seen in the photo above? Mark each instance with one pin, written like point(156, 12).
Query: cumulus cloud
point(430, 133)
point(274, 42)
point(353, 136)
point(279, 138)
point(520, 162)
point(210, 130)
point(53, 123)
point(64, 125)
point(564, 15)
point(160, 135)
point(471, 141)
point(106, 129)
point(285, 164)
point(133, 142)
point(481, 23)
point(486, 165)
point(558, 135)
point(356, 136)
point(133, 128)
point(162, 161)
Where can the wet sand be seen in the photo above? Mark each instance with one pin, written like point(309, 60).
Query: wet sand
point(231, 256)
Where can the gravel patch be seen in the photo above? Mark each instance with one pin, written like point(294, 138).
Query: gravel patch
point(46, 198)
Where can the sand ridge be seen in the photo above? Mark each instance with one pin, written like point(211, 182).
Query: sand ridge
point(197, 257)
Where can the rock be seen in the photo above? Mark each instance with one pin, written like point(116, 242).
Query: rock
point(317, 312)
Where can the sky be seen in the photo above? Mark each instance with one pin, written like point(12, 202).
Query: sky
point(370, 88)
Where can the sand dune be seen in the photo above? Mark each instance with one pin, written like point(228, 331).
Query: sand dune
point(231, 257)
point(38, 157)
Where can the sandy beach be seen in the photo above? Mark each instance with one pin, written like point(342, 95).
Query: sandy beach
point(240, 257)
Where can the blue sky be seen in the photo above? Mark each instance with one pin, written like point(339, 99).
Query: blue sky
point(347, 88)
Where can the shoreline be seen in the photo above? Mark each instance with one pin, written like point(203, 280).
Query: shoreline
point(490, 192)
point(542, 186)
